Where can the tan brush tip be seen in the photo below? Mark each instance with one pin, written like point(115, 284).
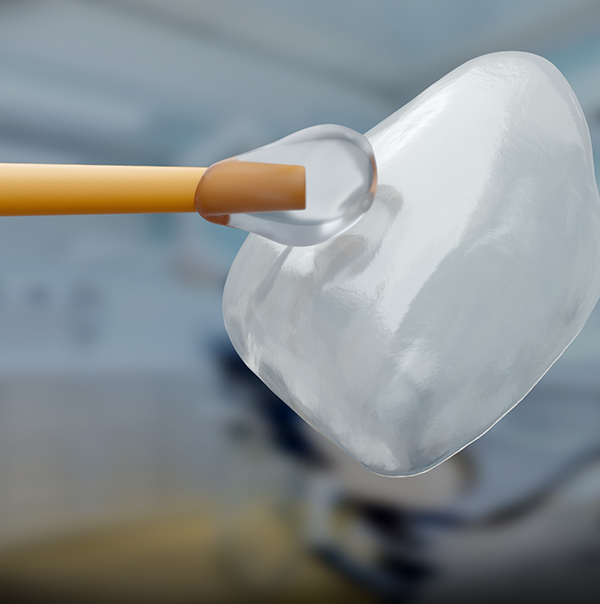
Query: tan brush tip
point(233, 187)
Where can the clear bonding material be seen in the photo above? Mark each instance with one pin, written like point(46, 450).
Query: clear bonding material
point(411, 334)
point(340, 185)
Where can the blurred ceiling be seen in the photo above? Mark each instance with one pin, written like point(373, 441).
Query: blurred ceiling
point(192, 81)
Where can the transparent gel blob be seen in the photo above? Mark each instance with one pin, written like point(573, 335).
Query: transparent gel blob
point(411, 334)
point(341, 179)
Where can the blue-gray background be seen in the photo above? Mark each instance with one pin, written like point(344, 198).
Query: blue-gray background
point(137, 460)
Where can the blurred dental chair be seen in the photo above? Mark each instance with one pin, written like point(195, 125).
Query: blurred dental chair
point(382, 533)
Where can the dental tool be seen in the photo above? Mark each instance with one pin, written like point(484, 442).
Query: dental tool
point(301, 190)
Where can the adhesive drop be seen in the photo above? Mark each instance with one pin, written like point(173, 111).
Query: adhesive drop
point(340, 185)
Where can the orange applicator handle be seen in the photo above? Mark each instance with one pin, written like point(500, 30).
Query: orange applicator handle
point(33, 189)
point(231, 186)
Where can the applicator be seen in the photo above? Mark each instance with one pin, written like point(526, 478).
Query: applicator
point(300, 190)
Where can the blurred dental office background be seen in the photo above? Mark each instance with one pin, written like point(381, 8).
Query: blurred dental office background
point(139, 460)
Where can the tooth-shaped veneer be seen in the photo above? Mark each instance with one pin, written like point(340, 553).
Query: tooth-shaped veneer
point(410, 335)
